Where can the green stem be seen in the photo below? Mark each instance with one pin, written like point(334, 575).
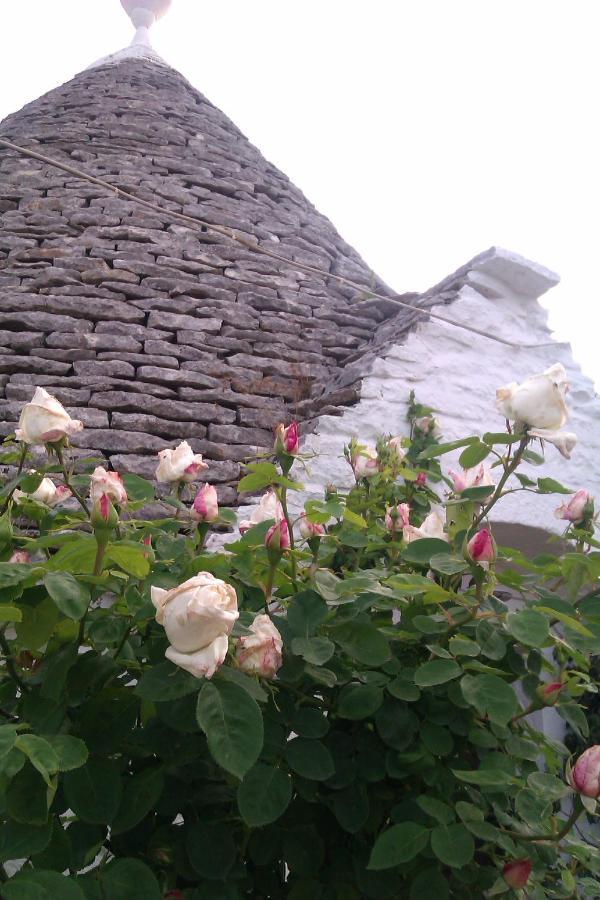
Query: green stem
point(269, 587)
point(67, 477)
point(554, 838)
point(283, 501)
point(508, 471)
point(123, 641)
point(19, 470)
point(12, 669)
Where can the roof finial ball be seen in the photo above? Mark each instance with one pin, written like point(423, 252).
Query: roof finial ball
point(143, 14)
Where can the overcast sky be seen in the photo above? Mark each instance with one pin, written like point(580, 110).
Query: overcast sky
point(427, 130)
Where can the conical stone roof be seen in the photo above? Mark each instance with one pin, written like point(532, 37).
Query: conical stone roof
point(149, 330)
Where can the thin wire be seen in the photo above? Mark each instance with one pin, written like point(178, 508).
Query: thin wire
point(231, 234)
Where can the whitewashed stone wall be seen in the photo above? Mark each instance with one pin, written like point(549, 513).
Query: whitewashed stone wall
point(457, 373)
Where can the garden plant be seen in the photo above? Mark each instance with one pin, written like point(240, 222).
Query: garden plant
point(348, 700)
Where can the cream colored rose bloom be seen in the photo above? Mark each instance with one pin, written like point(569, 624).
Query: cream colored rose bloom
point(432, 527)
point(260, 652)
point(195, 615)
point(47, 493)
point(268, 508)
point(45, 421)
point(180, 464)
point(109, 483)
point(366, 463)
point(477, 476)
point(395, 443)
point(539, 401)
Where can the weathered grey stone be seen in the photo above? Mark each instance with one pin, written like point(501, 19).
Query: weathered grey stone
point(237, 435)
point(66, 396)
point(139, 332)
point(261, 418)
point(40, 321)
point(278, 367)
point(232, 398)
point(176, 350)
point(140, 359)
point(176, 322)
point(152, 425)
point(117, 441)
point(64, 355)
point(175, 377)
point(167, 409)
point(111, 368)
point(32, 364)
point(94, 341)
point(21, 340)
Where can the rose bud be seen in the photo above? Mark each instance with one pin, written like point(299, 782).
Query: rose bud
point(45, 421)
point(428, 425)
point(482, 547)
point(108, 483)
point(478, 476)
point(47, 493)
point(421, 479)
point(585, 775)
point(180, 464)
point(539, 401)
point(103, 515)
point(287, 440)
point(516, 873)
point(20, 558)
point(579, 507)
point(206, 505)
point(549, 693)
point(198, 617)
point(260, 652)
point(277, 539)
point(268, 508)
point(395, 444)
point(309, 529)
point(365, 463)
point(432, 527)
point(397, 517)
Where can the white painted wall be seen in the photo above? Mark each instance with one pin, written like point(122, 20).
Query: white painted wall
point(457, 373)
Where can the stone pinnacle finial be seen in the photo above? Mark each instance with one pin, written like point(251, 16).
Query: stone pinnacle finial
point(143, 14)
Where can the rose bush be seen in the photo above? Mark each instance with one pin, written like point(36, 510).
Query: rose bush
point(347, 701)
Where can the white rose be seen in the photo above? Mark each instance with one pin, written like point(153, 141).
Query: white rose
point(195, 615)
point(396, 444)
point(268, 508)
point(260, 652)
point(180, 464)
point(47, 493)
point(365, 463)
point(477, 476)
point(45, 421)
point(432, 527)
point(109, 483)
point(539, 401)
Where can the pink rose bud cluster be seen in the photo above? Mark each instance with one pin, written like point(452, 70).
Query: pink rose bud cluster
point(516, 873)
point(482, 547)
point(397, 517)
point(287, 440)
point(180, 464)
point(45, 421)
point(206, 505)
point(579, 507)
point(260, 653)
point(309, 529)
point(585, 775)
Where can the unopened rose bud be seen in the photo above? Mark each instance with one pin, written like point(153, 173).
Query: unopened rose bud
point(20, 558)
point(516, 873)
point(365, 463)
point(206, 505)
point(287, 440)
point(310, 529)
point(109, 483)
point(549, 693)
point(585, 776)
point(148, 551)
point(103, 516)
point(277, 539)
point(397, 517)
point(395, 444)
point(482, 547)
point(259, 653)
point(578, 508)
point(421, 479)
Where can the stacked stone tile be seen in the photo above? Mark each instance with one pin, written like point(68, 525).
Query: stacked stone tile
point(146, 329)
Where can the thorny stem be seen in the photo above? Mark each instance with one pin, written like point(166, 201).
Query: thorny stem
point(67, 477)
point(283, 501)
point(510, 467)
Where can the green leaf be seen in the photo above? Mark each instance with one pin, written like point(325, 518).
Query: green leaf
point(10, 614)
point(310, 759)
point(453, 845)
point(13, 573)
point(420, 552)
point(529, 626)
point(94, 791)
point(316, 650)
point(40, 753)
point(429, 885)
point(569, 621)
point(478, 493)
point(71, 751)
point(165, 681)
point(138, 489)
point(263, 795)
point(18, 841)
point(354, 519)
point(437, 809)
point(307, 610)
point(440, 449)
point(461, 646)
point(27, 797)
point(261, 476)
point(141, 794)
point(547, 786)
point(500, 437)
point(351, 807)
point(77, 557)
point(310, 723)
point(447, 564)
point(473, 455)
point(131, 879)
point(211, 849)
point(233, 724)
point(130, 557)
point(491, 696)
point(550, 486)
point(71, 597)
point(249, 683)
point(437, 671)
point(362, 642)
point(359, 701)
point(397, 845)
point(486, 777)
point(30, 884)
point(38, 623)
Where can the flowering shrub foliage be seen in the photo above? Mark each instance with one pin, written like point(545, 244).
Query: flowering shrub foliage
point(344, 703)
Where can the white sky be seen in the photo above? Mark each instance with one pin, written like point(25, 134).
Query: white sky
point(427, 130)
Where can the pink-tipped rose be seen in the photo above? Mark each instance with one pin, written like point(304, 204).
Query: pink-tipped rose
point(277, 538)
point(48, 493)
point(397, 517)
point(421, 479)
point(585, 776)
point(287, 440)
point(103, 515)
point(268, 508)
point(432, 527)
point(108, 483)
point(260, 652)
point(550, 692)
point(45, 421)
point(478, 476)
point(310, 529)
point(482, 547)
point(365, 462)
point(20, 558)
point(206, 505)
point(577, 508)
point(516, 873)
point(180, 464)
point(395, 444)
